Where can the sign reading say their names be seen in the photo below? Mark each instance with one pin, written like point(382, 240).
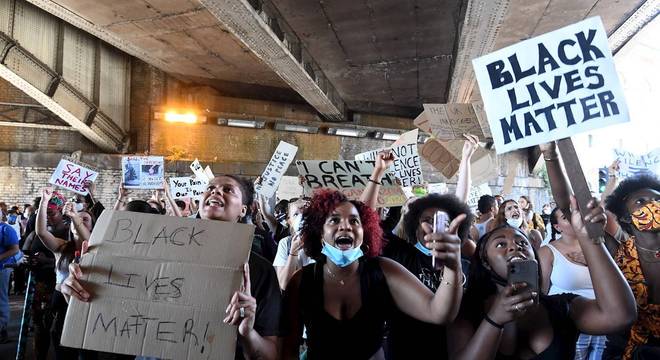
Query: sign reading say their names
point(277, 166)
point(72, 176)
point(187, 187)
point(551, 87)
point(159, 286)
point(350, 177)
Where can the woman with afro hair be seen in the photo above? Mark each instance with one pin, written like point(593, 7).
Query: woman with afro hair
point(344, 298)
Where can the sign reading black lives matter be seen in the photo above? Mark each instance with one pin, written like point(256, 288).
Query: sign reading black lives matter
point(159, 286)
point(551, 87)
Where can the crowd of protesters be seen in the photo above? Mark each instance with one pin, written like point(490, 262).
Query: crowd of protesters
point(336, 278)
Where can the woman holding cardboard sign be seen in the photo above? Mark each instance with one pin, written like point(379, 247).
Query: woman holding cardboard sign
point(254, 309)
point(350, 291)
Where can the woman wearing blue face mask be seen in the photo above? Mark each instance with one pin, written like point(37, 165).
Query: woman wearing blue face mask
point(344, 298)
point(511, 213)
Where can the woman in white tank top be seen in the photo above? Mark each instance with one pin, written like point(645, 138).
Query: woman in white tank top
point(564, 270)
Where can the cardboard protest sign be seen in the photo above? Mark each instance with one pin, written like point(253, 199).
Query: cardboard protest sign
point(277, 166)
point(290, 187)
point(143, 172)
point(348, 176)
point(208, 173)
point(551, 87)
point(437, 188)
point(187, 187)
point(477, 192)
point(510, 179)
point(439, 157)
point(409, 137)
point(160, 285)
point(632, 165)
point(407, 166)
point(72, 176)
point(449, 121)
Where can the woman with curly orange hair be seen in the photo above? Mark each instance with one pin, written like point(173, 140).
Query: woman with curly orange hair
point(511, 213)
point(350, 291)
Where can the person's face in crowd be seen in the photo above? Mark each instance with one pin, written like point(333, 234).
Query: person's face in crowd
point(81, 200)
point(29, 210)
point(53, 216)
point(185, 212)
point(504, 246)
point(223, 200)
point(523, 203)
point(153, 204)
point(86, 221)
point(563, 224)
point(546, 209)
point(295, 209)
point(640, 198)
point(499, 200)
point(343, 228)
point(426, 217)
point(512, 210)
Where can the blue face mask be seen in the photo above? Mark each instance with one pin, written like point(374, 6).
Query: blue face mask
point(423, 249)
point(341, 258)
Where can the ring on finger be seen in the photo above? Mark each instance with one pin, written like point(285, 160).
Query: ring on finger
point(241, 312)
point(517, 307)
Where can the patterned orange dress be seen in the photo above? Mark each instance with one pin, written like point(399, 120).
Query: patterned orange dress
point(648, 315)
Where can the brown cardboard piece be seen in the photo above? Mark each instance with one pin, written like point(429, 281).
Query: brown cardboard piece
point(450, 121)
point(440, 157)
point(159, 286)
point(510, 179)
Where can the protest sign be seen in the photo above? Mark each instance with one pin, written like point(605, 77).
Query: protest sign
point(440, 158)
point(477, 192)
point(348, 176)
point(409, 137)
point(277, 166)
point(632, 165)
point(187, 187)
point(449, 121)
point(290, 187)
point(197, 169)
point(437, 188)
point(72, 176)
point(143, 172)
point(159, 286)
point(551, 87)
point(407, 166)
point(208, 173)
point(510, 179)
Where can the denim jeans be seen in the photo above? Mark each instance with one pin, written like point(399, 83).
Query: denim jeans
point(4, 297)
point(590, 347)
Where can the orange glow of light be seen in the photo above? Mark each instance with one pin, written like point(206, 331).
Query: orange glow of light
point(187, 118)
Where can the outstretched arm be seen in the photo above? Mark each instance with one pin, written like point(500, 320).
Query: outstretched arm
point(369, 196)
point(465, 169)
point(49, 240)
point(561, 190)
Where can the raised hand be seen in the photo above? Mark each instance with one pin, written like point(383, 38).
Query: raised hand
point(71, 286)
point(242, 308)
point(46, 194)
point(596, 215)
point(384, 160)
point(446, 247)
point(511, 303)
point(470, 145)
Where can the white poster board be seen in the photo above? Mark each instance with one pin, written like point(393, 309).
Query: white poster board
point(551, 87)
point(187, 187)
point(631, 164)
point(407, 166)
point(477, 192)
point(71, 176)
point(143, 172)
point(277, 166)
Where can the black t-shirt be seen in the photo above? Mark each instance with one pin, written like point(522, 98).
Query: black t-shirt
point(409, 338)
point(266, 290)
point(263, 244)
point(565, 334)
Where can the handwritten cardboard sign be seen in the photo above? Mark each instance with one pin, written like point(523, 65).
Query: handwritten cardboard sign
point(349, 177)
point(143, 172)
point(450, 121)
point(407, 166)
point(198, 170)
point(187, 187)
point(551, 87)
point(277, 166)
point(72, 176)
point(631, 164)
point(159, 286)
point(477, 192)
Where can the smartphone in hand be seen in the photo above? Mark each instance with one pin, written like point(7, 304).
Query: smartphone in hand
point(526, 271)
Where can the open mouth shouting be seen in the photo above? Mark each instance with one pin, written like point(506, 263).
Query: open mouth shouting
point(516, 257)
point(344, 242)
point(214, 202)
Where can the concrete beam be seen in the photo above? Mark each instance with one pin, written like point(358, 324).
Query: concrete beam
point(37, 126)
point(479, 30)
point(647, 12)
point(262, 32)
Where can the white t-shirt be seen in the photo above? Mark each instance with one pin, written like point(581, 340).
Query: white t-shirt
point(282, 255)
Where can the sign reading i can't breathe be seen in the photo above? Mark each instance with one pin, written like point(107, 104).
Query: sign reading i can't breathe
point(551, 87)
